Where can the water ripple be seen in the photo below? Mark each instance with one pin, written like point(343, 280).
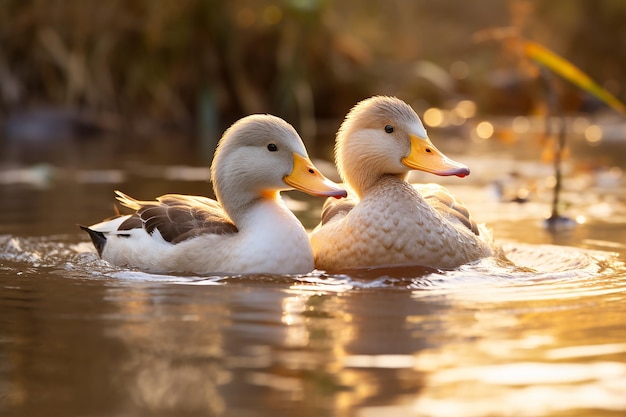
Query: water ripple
point(534, 272)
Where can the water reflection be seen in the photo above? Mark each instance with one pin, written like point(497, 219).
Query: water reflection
point(521, 349)
point(123, 342)
point(174, 349)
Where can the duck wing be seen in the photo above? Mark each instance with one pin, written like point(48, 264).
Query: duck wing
point(440, 199)
point(335, 209)
point(177, 217)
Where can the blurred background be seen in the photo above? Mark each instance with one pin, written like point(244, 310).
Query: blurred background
point(170, 76)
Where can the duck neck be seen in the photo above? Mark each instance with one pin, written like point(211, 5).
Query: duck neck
point(366, 184)
point(236, 202)
point(364, 172)
point(268, 206)
point(397, 191)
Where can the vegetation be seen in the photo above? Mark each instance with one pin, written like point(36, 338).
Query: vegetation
point(534, 60)
point(188, 61)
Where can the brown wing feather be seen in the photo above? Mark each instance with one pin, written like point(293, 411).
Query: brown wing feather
point(178, 217)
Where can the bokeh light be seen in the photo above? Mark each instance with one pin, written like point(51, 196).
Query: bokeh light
point(433, 117)
point(466, 109)
point(484, 130)
point(593, 134)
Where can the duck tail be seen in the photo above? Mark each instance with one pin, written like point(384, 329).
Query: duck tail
point(98, 238)
point(128, 201)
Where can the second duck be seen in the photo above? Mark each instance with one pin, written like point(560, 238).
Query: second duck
point(388, 221)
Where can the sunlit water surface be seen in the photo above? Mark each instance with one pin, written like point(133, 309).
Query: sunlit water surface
point(544, 335)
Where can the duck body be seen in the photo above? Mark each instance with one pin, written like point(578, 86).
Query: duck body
point(248, 229)
point(395, 225)
point(271, 239)
point(388, 221)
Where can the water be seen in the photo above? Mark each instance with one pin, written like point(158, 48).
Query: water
point(542, 336)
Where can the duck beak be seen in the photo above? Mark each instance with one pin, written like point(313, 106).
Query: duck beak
point(305, 177)
point(425, 157)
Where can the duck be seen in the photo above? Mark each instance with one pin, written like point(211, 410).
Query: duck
point(386, 221)
point(247, 229)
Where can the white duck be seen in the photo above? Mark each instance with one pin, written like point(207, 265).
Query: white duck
point(247, 230)
point(387, 221)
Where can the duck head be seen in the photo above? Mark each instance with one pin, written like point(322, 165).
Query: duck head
point(261, 155)
point(384, 136)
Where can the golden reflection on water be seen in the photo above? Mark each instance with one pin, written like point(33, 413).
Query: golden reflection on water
point(524, 389)
point(478, 341)
point(173, 355)
point(472, 349)
point(322, 323)
point(514, 355)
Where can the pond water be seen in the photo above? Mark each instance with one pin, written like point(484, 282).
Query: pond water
point(545, 336)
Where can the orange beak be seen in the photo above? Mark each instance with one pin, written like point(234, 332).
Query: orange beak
point(305, 177)
point(425, 157)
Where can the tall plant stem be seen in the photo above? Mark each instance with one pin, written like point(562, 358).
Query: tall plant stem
point(554, 110)
point(558, 171)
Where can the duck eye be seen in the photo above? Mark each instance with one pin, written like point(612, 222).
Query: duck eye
point(389, 129)
point(428, 150)
point(272, 147)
